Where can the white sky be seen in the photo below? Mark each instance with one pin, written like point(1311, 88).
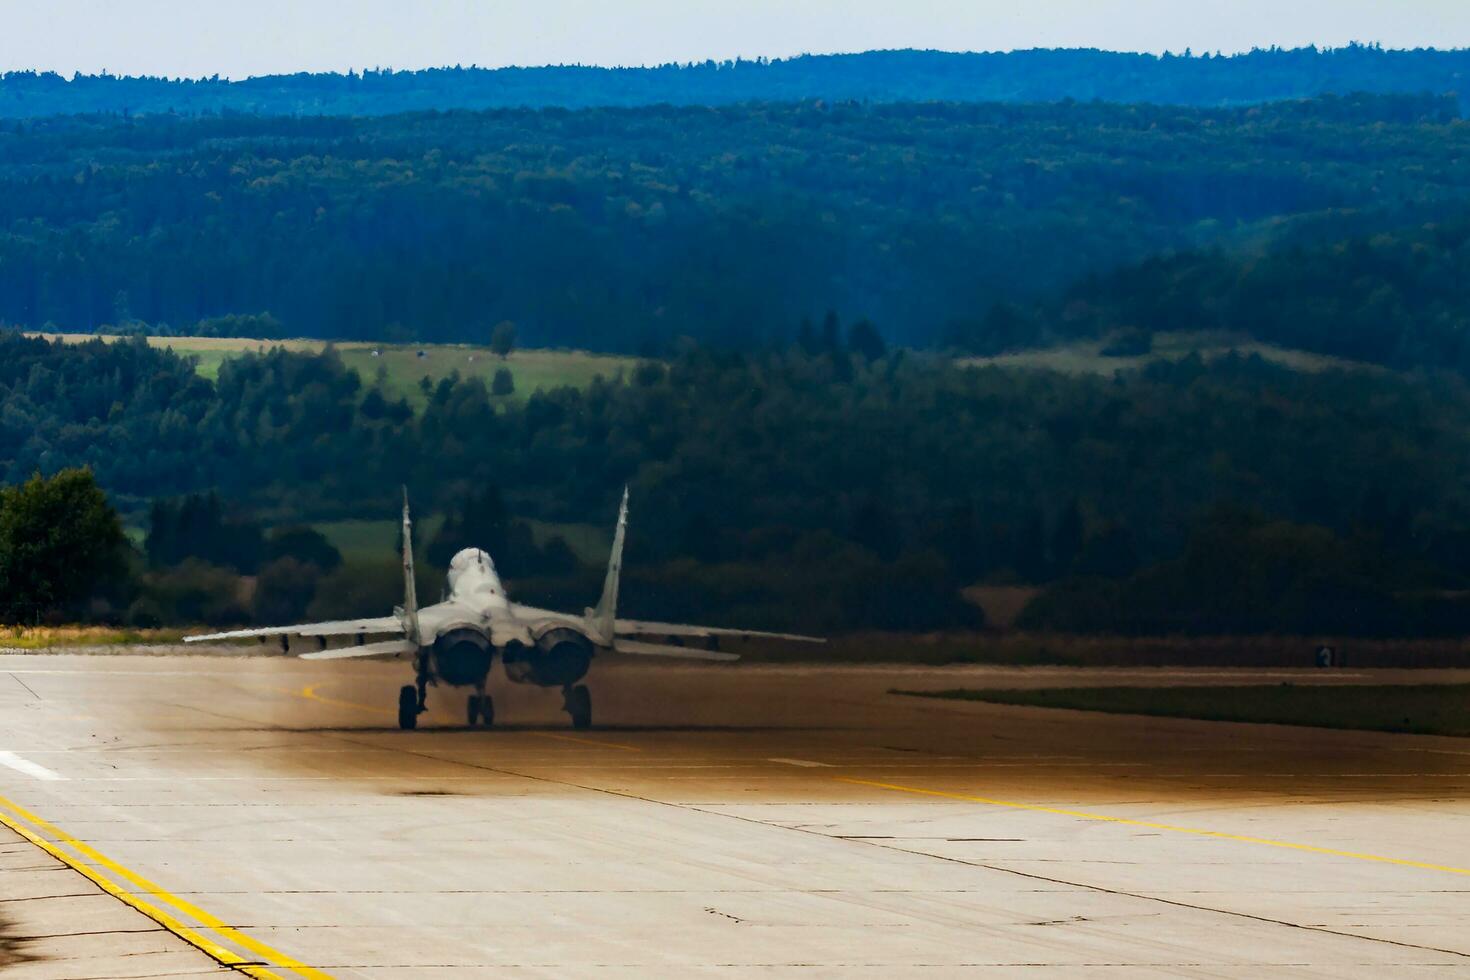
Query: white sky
point(237, 38)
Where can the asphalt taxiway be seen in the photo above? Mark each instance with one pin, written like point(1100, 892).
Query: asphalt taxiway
point(202, 815)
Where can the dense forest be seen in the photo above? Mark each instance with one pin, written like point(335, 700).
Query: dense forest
point(789, 467)
point(624, 229)
point(823, 483)
point(880, 76)
point(1398, 297)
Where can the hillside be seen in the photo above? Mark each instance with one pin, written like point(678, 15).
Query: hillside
point(622, 230)
point(1396, 297)
point(874, 76)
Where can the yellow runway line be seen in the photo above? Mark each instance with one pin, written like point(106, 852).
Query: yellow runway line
point(1129, 822)
point(309, 692)
point(35, 830)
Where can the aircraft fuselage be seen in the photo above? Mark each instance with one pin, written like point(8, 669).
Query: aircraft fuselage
point(460, 637)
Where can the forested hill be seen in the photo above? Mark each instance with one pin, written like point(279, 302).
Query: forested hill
point(820, 484)
point(1396, 297)
point(620, 229)
point(882, 76)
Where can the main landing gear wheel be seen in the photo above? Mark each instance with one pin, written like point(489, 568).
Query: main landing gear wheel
point(579, 705)
point(481, 710)
point(408, 707)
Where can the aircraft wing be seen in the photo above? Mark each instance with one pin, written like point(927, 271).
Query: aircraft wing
point(386, 648)
point(639, 627)
point(343, 627)
point(660, 650)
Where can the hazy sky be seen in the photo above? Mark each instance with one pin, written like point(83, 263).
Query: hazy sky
point(252, 37)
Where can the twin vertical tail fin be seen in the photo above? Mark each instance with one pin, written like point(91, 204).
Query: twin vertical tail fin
point(409, 614)
point(602, 619)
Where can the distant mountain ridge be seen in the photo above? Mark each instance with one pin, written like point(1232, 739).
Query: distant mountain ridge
point(1039, 75)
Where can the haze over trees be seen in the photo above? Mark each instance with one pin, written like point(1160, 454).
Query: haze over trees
point(874, 76)
point(624, 229)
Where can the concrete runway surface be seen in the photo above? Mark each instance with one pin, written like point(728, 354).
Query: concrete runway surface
point(717, 821)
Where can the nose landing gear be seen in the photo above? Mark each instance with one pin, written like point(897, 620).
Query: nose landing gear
point(480, 710)
point(577, 702)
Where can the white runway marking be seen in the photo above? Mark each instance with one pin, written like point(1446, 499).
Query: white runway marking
point(802, 762)
point(28, 767)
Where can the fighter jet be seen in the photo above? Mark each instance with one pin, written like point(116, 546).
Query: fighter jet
point(455, 642)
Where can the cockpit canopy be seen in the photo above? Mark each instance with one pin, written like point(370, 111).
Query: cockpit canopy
point(472, 569)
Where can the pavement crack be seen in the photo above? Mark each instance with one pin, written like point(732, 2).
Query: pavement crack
point(47, 898)
point(97, 932)
point(405, 749)
point(1169, 901)
point(1102, 889)
point(337, 736)
point(23, 684)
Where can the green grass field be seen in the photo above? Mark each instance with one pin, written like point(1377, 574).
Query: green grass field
point(1425, 709)
point(540, 370)
point(49, 637)
point(1085, 356)
point(533, 370)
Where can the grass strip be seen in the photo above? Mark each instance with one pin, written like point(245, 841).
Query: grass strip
point(1423, 709)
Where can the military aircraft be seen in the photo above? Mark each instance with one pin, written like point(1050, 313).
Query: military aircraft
point(455, 641)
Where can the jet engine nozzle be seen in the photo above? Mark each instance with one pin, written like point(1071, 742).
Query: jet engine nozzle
point(560, 658)
point(463, 655)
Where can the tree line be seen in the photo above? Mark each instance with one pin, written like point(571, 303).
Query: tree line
point(824, 485)
point(880, 76)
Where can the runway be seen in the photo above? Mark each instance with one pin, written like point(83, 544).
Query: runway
point(716, 821)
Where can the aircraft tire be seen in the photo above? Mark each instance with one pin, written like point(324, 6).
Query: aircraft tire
point(579, 706)
point(480, 711)
point(408, 708)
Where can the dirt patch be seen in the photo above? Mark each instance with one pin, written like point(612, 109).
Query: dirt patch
point(12, 947)
point(427, 792)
